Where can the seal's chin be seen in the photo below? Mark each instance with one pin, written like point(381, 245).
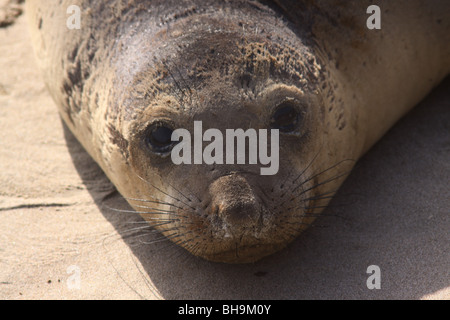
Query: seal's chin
point(244, 254)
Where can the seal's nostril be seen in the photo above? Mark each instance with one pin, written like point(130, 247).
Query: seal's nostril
point(239, 214)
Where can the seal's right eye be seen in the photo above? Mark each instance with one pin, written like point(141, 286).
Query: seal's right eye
point(286, 117)
point(159, 138)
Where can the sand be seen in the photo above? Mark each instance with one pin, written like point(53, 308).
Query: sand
point(59, 239)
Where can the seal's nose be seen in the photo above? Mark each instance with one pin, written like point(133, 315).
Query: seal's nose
point(235, 203)
point(239, 213)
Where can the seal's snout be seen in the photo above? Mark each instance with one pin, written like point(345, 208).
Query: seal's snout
point(235, 205)
point(239, 225)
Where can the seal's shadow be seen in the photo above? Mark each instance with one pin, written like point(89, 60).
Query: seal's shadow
point(399, 222)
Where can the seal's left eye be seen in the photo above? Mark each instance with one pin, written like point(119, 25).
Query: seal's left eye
point(285, 118)
point(159, 138)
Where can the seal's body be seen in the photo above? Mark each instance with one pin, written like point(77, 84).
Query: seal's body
point(138, 70)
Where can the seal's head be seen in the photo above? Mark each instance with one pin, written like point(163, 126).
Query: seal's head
point(228, 69)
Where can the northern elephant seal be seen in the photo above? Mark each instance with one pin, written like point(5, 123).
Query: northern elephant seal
point(136, 71)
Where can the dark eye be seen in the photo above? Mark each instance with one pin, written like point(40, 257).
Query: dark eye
point(285, 117)
point(159, 138)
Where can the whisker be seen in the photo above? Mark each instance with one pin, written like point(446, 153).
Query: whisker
point(198, 199)
point(164, 238)
point(165, 193)
point(321, 196)
point(143, 212)
point(309, 164)
point(323, 182)
point(156, 209)
point(153, 201)
point(292, 190)
point(323, 171)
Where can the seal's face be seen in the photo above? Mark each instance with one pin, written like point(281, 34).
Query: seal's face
point(225, 79)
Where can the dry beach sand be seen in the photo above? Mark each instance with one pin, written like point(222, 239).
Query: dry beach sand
point(59, 239)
